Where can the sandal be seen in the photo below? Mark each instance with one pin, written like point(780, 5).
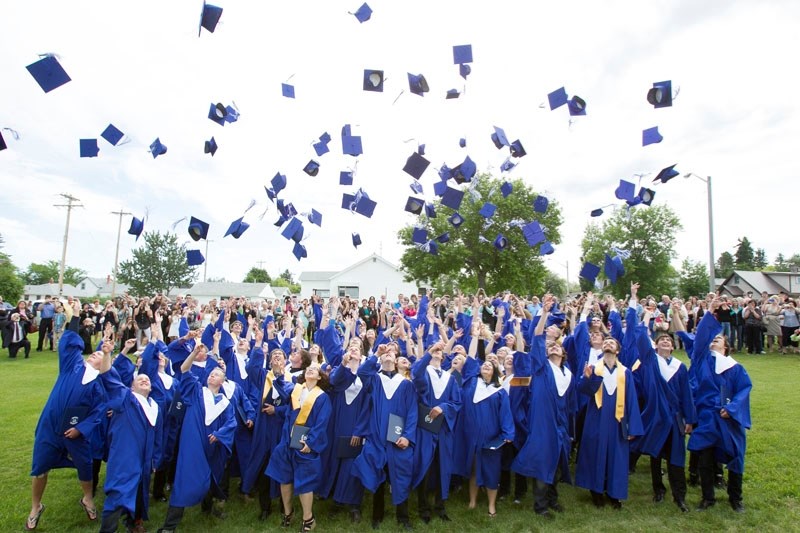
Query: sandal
point(33, 521)
point(91, 514)
point(308, 525)
point(493, 515)
point(286, 519)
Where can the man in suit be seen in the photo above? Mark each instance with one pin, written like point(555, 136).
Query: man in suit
point(15, 336)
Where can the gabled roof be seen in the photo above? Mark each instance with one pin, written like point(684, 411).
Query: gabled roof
point(366, 259)
point(223, 288)
point(771, 282)
point(317, 275)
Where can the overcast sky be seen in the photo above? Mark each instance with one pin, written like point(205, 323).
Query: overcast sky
point(141, 66)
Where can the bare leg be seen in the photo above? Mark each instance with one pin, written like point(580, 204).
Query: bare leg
point(38, 485)
point(473, 492)
point(307, 502)
point(88, 499)
point(287, 492)
point(492, 494)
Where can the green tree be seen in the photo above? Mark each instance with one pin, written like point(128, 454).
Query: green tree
point(11, 284)
point(694, 279)
point(743, 259)
point(555, 284)
point(648, 234)
point(760, 259)
point(725, 265)
point(294, 288)
point(469, 257)
point(157, 266)
point(287, 276)
point(39, 274)
point(257, 275)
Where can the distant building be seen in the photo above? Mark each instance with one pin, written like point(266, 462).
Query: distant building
point(372, 276)
point(101, 287)
point(206, 291)
point(743, 281)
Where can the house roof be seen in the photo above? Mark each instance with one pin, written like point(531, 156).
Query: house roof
point(325, 275)
point(771, 282)
point(219, 288)
point(317, 275)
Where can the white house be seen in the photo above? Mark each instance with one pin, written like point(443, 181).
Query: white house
point(90, 286)
point(206, 291)
point(372, 276)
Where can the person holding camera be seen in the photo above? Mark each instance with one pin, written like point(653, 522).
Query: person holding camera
point(15, 334)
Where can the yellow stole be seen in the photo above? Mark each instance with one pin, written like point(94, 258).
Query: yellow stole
point(598, 397)
point(520, 382)
point(305, 409)
point(267, 386)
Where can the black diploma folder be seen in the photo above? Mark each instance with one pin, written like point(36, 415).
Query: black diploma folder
point(299, 435)
point(73, 416)
point(424, 421)
point(395, 429)
point(345, 451)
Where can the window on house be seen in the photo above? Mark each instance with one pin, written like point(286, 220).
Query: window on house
point(83, 286)
point(735, 280)
point(322, 293)
point(352, 292)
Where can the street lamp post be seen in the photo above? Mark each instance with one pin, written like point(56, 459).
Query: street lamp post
point(707, 180)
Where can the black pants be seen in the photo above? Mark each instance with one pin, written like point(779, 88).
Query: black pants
point(432, 482)
point(401, 510)
point(520, 481)
point(45, 332)
point(675, 474)
point(754, 344)
point(545, 495)
point(173, 518)
point(708, 474)
point(15, 347)
point(263, 487)
point(110, 521)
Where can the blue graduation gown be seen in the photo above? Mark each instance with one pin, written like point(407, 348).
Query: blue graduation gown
point(200, 464)
point(303, 470)
point(426, 444)
point(547, 447)
point(603, 454)
point(51, 449)
point(135, 446)
point(378, 452)
point(162, 395)
point(731, 390)
point(243, 437)
point(349, 420)
point(481, 424)
point(668, 405)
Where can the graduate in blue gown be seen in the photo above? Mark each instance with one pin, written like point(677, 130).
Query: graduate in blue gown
point(206, 439)
point(245, 415)
point(669, 413)
point(300, 469)
point(135, 445)
point(612, 419)
point(390, 394)
point(722, 398)
point(545, 453)
point(70, 416)
point(439, 396)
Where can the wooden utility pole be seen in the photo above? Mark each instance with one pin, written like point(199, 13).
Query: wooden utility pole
point(69, 205)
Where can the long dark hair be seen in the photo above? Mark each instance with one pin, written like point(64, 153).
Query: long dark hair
point(323, 383)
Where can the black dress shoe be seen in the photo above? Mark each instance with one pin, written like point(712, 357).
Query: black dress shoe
point(557, 507)
point(682, 506)
point(355, 516)
point(616, 504)
point(737, 506)
point(705, 504)
point(658, 497)
point(598, 500)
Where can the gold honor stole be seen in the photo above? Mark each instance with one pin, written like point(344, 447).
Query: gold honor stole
point(305, 409)
point(598, 397)
point(267, 386)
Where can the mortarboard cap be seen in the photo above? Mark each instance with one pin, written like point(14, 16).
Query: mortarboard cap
point(432, 247)
point(439, 187)
point(137, 226)
point(278, 182)
point(499, 138)
point(299, 251)
point(293, 230)
point(465, 171)
point(351, 144)
point(194, 257)
point(157, 149)
point(415, 165)
point(507, 165)
point(89, 148)
point(363, 13)
point(443, 238)
point(452, 198)
point(3, 145)
point(421, 149)
point(210, 147)
point(625, 191)
point(533, 233)
point(517, 150)
point(462, 54)
point(356, 239)
point(596, 212)
point(271, 194)
point(217, 113)
point(557, 98)
point(464, 70)
point(417, 84)
point(237, 228)
point(287, 90)
point(500, 242)
point(231, 114)
point(666, 174)
point(462, 142)
point(373, 80)
point(589, 272)
point(651, 136)
point(455, 219)
point(345, 177)
point(321, 148)
point(112, 134)
point(506, 188)
point(613, 268)
point(414, 205)
point(416, 187)
point(452, 94)
point(488, 210)
point(359, 203)
point(209, 18)
point(281, 219)
point(48, 73)
point(315, 217)
point(311, 168)
point(419, 235)
point(546, 248)
point(577, 106)
point(660, 95)
point(198, 229)
point(646, 196)
point(540, 204)
point(430, 210)
point(445, 172)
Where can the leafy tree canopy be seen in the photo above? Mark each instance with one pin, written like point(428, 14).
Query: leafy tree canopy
point(39, 274)
point(257, 275)
point(469, 260)
point(694, 279)
point(157, 266)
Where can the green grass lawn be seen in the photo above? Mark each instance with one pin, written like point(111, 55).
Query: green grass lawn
point(771, 480)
